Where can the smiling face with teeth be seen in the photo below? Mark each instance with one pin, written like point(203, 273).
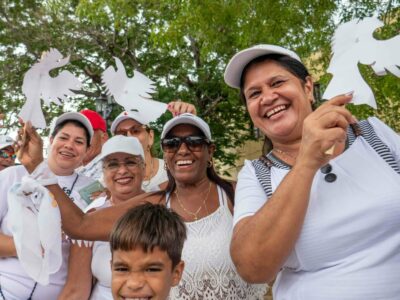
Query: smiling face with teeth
point(277, 100)
point(124, 182)
point(140, 275)
point(68, 148)
point(188, 166)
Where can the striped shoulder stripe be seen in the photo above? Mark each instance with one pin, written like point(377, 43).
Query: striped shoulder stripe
point(263, 174)
point(378, 145)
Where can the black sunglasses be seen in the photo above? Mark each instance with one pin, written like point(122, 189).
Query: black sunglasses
point(194, 143)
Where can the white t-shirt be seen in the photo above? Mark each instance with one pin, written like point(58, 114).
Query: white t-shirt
point(349, 245)
point(161, 176)
point(14, 281)
point(101, 257)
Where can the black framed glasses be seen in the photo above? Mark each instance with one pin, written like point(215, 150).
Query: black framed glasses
point(7, 154)
point(194, 143)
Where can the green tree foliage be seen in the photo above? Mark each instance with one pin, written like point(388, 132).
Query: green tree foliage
point(182, 45)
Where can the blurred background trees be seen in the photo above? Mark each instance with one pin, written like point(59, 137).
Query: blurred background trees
point(183, 46)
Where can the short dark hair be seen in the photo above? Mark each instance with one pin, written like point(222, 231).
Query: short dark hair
point(147, 226)
point(77, 124)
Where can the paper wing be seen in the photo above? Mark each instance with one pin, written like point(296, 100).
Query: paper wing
point(58, 88)
point(134, 94)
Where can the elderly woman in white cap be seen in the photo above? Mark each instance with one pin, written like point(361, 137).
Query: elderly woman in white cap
point(70, 139)
point(200, 196)
point(321, 208)
point(123, 171)
point(7, 153)
point(136, 124)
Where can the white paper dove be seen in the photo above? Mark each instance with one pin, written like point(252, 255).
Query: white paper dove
point(35, 223)
point(134, 94)
point(38, 84)
point(353, 43)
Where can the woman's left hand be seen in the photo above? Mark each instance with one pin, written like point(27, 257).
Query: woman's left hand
point(29, 146)
point(178, 107)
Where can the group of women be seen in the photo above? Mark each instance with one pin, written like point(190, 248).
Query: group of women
point(318, 212)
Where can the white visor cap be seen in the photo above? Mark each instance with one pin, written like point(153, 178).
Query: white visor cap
point(234, 69)
point(190, 119)
point(124, 144)
point(75, 116)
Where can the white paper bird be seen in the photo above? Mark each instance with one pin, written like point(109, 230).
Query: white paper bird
point(35, 223)
point(38, 84)
point(353, 43)
point(134, 94)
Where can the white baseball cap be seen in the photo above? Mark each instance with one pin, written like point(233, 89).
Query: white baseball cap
point(5, 141)
point(234, 69)
point(76, 117)
point(190, 119)
point(125, 115)
point(121, 143)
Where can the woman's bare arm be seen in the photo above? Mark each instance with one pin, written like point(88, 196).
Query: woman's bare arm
point(79, 279)
point(95, 225)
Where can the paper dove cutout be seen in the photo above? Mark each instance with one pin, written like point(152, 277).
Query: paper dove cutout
point(134, 94)
point(35, 223)
point(353, 43)
point(38, 84)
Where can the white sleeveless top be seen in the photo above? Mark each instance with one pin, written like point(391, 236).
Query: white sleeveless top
point(209, 272)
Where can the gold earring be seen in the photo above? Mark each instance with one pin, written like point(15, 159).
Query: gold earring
point(165, 166)
point(210, 164)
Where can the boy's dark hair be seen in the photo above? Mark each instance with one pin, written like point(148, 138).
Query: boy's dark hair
point(147, 226)
point(77, 124)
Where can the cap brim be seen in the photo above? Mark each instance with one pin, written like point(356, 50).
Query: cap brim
point(77, 117)
point(234, 69)
point(184, 120)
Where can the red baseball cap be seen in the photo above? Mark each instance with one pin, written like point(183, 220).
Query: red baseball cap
point(95, 119)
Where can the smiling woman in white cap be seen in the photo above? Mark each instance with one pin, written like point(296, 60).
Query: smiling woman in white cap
point(321, 208)
point(70, 139)
point(123, 171)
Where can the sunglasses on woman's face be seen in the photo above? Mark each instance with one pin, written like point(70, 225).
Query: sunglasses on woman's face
point(194, 143)
point(7, 154)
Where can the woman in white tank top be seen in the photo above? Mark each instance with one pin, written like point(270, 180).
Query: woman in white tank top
point(205, 202)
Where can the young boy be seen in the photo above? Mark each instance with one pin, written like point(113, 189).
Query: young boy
point(146, 246)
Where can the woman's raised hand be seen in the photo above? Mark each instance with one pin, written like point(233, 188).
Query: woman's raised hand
point(325, 129)
point(178, 107)
point(29, 146)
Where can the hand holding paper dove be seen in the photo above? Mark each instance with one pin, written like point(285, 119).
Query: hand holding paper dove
point(353, 43)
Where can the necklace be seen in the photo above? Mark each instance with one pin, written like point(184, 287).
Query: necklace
point(194, 214)
point(145, 182)
point(284, 153)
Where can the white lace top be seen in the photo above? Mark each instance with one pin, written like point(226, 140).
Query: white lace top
point(209, 271)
